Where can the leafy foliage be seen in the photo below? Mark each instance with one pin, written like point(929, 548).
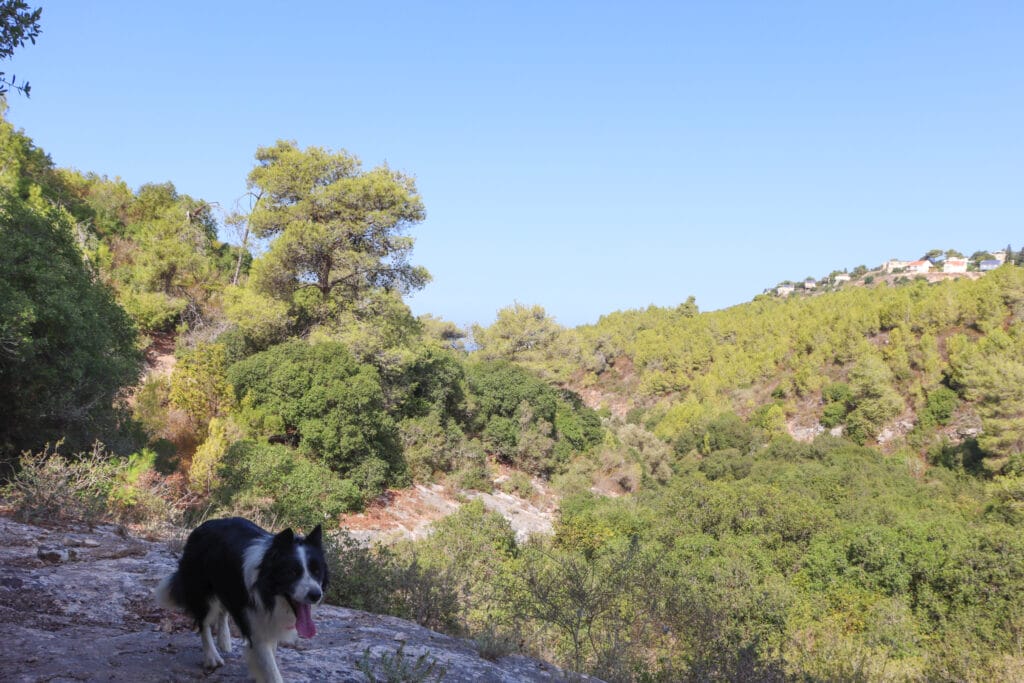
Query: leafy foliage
point(526, 421)
point(318, 396)
point(18, 23)
point(269, 480)
point(783, 573)
point(66, 348)
point(199, 383)
point(49, 486)
point(337, 229)
point(400, 668)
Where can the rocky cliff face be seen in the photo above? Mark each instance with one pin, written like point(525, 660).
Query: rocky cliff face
point(76, 605)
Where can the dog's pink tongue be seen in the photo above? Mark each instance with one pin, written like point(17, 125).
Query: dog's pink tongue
point(304, 621)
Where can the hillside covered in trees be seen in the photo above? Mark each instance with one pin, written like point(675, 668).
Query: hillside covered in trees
point(821, 488)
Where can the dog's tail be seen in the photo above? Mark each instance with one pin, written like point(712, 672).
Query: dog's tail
point(169, 594)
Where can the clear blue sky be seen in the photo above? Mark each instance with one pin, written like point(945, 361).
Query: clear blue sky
point(588, 157)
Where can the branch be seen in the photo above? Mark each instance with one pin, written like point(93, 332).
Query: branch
point(6, 85)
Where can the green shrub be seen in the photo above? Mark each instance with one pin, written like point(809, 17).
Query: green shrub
point(502, 436)
point(518, 484)
point(206, 462)
point(371, 476)
point(154, 311)
point(140, 493)
point(499, 387)
point(384, 580)
point(199, 384)
point(728, 463)
point(277, 480)
point(319, 394)
point(49, 486)
point(472, 472)
point(838, 397)
point(833, 415)
point(940, 404)
point(526, 422)
point(66, 348)
point(261, 321)
point(433, 382)
point(429, 446)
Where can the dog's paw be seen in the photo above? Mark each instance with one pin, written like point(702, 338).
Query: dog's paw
point(212, 661)
point(224, 642)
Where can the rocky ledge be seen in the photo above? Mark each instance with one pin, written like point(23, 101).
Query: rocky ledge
point(76, 605)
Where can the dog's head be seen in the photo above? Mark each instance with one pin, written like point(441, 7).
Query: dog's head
point(294, 568)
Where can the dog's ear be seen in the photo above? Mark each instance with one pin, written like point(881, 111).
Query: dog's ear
point(315, 536)
point(286, 537)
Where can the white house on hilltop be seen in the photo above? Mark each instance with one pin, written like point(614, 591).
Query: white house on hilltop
point(919, 267)
point(954, 265)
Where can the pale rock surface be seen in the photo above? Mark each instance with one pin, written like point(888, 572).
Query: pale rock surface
point(408, 513)
point(86, 613)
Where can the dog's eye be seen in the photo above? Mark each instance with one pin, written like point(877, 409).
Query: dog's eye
point(314, 567)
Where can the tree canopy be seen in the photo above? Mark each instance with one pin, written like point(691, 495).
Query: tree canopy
point(336, 229)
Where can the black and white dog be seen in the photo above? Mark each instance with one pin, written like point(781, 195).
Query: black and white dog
point(266, 583)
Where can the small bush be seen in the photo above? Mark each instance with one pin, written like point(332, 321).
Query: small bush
point(125, 492)
point(360, 575)
point(206, 462)
point(296, 490)
point(429, 446)
point(728, 463)
point(833, 415)
point(941, 403)
point(50, 486)
point(518, 484)
point(319, 395)
point(492, 645)
point(400, 668)
point(381, 580)
point(154, 311)
point(151, 405)
point(473, 477)
point(501, 435)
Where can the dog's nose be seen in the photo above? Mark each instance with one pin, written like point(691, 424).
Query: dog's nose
point(314, 595)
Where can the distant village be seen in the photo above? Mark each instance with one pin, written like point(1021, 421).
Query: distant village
point(935, 265)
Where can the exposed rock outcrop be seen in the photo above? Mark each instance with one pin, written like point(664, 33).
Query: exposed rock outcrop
point(77, 606)
point(408, 513)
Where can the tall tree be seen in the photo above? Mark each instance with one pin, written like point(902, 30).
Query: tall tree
point(337, 230)
point(520, 331)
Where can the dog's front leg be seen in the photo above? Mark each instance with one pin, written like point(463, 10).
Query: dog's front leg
point(262, 665)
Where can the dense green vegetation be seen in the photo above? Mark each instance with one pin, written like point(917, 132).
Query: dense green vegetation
point(696, 539)
point(823, 561)
point(309, 347)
